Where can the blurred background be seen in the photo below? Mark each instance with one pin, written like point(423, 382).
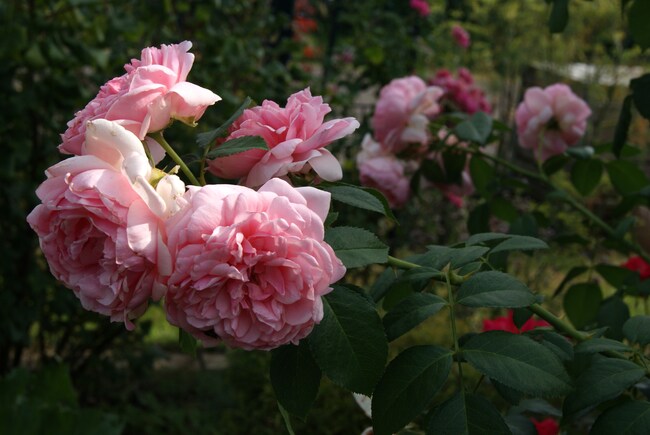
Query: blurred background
point(72, 371)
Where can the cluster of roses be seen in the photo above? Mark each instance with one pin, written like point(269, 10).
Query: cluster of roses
point(403, 140)
point(245, 266)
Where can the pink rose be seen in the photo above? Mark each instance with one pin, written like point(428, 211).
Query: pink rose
point(250, 267)
point(461, 36)
point(550, 120)
point(421, 7)
point(548, 426)
point(100, 223)
point(296, 137)
point(461, 93)
point(507, 323)
point(384, 172)
point(153, 91)
point(403, 111)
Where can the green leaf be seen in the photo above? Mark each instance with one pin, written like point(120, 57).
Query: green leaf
point(554, 342)
point(479, 219)
point(637, 19)
point(467, 414)
point(410, 382)
point(518, 362)
point(295, 377)
point(439, 257)
point(208, 138)
point(637, 330)
point(572, 274)
point(559, 17)
point(598, 344)
point(554, 164)
point(519, 243)
point(494, 289)
point(613, 313)
point(617, 276)
point(454, 163)
point(356, 247)
point(481, 238)
point(476, 129)
point(586, 175)
point(581, 303)
point(629, 418)
point(626, 177)
point(349, 344)
point(383, 284)
point(503, 209)
point(238, 145)
point(410, 312)
point(622, 126)
point(187, 342)
point(604, 379)
point(482, 174)
point(357, 197)
point(581, 153)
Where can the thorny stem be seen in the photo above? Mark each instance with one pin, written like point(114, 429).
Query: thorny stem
point(158, 137)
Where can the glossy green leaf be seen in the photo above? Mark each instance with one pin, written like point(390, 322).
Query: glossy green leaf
point(476, 129)
point(622, 126)
point(356, 247)
point(586, 174)
point(295, 378)
point(410, 312)
point(349, 344)
point(559, 17)
point(626, 177)
point(467, 414)
point(358, 197)
point(599, 344)
point(581, 303)
point(571, 274)
point(519, 243)
point(518, 362)
point(604, 379)
point(637, 19)
point(410, 382)
point(637, 330)
point(494, 289)
point(208, 138)
point(238, 145)
point(629, 418)
point(554, 342)
point(613, 314)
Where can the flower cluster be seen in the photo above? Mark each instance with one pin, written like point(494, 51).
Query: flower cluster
point(403, 141)
point(461, 36)
point(248, 267)
point(461, 93)
point(550, 120)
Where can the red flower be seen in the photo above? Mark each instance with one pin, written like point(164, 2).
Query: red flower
point(506, 323)
point(548, 426)
point(637, 264)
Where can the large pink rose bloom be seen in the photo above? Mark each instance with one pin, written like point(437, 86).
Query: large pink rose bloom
point(296, 136)
point(384, 172)
point(153, 91)
point(250, 267)
point(100, 223)
point(550, 120)
point(403, 111)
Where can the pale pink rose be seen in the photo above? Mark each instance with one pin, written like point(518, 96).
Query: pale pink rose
point(296, 136)
point(403, 111)
point(152, 93)
point(550, 120)
point(461, 36)
point(421, 7)
point(101, 226)
point(250, 267)
point(383, 171)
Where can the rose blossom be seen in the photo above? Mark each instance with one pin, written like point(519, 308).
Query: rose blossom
point(461, 36)
point(548, 426)
point(153, 91)
point(507, 323)
point(250, 267)
point(460, 92)
point(638, 264)
point(296, 137)
point(383, 171)
point(550, 120)
point(421, 7)
point(100, 223)
point(403, 111)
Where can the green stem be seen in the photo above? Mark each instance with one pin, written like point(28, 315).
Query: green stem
point(558, 323)
point(403, 264)
point(454, 333)
point(158, 137)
